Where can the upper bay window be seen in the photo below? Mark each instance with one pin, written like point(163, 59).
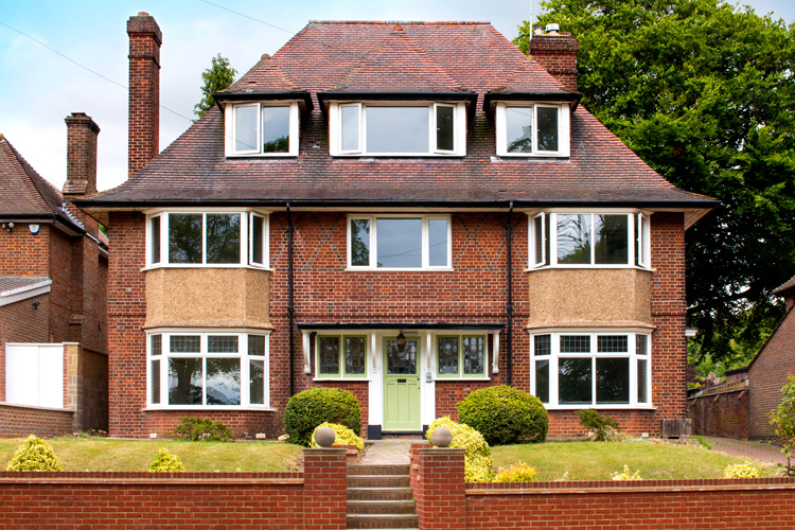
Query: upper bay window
point(399, 242)
point(207, 239)
point(377, 129)
point(589, 239)
point(262, 129)
point(532, 129)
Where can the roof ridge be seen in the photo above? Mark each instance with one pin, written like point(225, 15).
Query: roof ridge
point(418, 22)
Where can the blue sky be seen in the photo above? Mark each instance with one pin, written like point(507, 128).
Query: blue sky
point(40, 88)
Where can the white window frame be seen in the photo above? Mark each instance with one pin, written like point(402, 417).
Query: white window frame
point(246, 245)
point(555, 355)
point(459, 129)
point(229, 125)
point(425, 242)
point(165, 355)
point(564, 136)
point(550, 217)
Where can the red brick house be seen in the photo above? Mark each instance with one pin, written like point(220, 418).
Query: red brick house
point(53, 278)
point(373, 209)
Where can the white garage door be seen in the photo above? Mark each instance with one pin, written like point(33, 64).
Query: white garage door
point(34, 375)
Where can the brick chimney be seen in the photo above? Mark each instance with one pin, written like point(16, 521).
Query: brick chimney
point(557, 52)
point(143, 141)
point(81, 155)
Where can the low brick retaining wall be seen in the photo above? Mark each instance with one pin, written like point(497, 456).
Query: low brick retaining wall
point(22, 420)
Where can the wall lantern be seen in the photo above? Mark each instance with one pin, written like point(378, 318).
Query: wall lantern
point(401, 341)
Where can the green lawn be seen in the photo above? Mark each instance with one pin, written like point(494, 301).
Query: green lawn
point(596, 460)
point(101, 454)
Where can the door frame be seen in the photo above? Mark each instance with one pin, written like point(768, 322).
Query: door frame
point(418, 374)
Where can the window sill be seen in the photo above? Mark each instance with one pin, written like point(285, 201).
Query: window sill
point(600, 407)
point(520, 156)
point(204, 266)
point(341, 380)
point(156, 408)
point(404, 269)
point(590, 267)
point(454, 379)
point(260, 155)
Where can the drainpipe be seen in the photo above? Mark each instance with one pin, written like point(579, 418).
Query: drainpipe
point(509, 304)
point(290, 308)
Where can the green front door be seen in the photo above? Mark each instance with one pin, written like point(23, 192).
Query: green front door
point(401, 386)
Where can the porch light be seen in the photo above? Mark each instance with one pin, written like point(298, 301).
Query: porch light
point(401, 341)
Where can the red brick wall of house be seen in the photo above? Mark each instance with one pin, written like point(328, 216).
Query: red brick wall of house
point(20, 421)
point(19, 322)
point(23, 254)
point(724, 414)
point(63, 285)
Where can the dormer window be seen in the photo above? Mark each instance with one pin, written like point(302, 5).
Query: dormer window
point(532, 129)
point(262, 129)
point(398, 129)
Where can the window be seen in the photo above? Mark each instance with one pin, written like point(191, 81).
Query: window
point(426, 129)
point(591, 369)
point(211, 239)
point(532, 129)
point(589, 239)
point(262, 129)
point(399, 242)
point(461, 355)
point(341, 356)
point(208, 369)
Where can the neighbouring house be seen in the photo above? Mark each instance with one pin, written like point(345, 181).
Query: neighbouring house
point(410, 211)
point(741, 406)
point(53, 279)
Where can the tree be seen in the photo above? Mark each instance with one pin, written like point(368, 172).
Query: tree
point(783, 419)
point(218, 77)
point(704, 92)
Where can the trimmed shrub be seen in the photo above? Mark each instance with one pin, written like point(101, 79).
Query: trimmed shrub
point(519, 472)
point(165, 462)
point(626, 475)
point(744, 470)
point(505, 415)
point(307, 410)
point(603, 428)
point(345, 436)
point(478, 465)
point(202, 430)
point(34, 455)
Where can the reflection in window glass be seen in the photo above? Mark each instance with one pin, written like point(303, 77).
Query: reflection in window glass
point(246, 128)
point(612, 381)
point(519, 129)
point(399, 243)
point(256, 345)
point(223, 381)
point(257, 241)
point(256, 382)
point(223, 238)
point(185, 238)
point(643, 391)
point(641, 344)
point(538, 237)
point(185, 344)
point(574, 239)
point(612, 239)
point(542, 381)
point(354, 355)
point(474, 353)
point(397, 129)
point(448, 355)
point(401, 361)
point(444, 128)
point(547, 128)
point(155, 368)
point(155, 239)
point(328, 355)
point(275, 129)
point(437, 242)
point(349, 117)
point(185, 381)
point(574, 381)
point(360, 242)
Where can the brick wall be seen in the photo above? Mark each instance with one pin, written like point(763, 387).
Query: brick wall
point(558, 55)
point(724, 414)
point(19, 421)
point(63, 285)
point(23, 254)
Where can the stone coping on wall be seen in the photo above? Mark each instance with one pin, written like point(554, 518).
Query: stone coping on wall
point(34, 407)
point(144, 478)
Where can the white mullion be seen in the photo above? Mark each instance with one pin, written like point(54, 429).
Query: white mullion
point(543, 237)
point(245, 375)
point(424, 242)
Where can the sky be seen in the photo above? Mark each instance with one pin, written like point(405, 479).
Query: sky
point(39, 87)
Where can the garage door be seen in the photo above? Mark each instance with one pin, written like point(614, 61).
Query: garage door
point(34, 375)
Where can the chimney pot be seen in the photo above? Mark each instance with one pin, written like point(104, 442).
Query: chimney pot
point(266, 56)
point(143, 14)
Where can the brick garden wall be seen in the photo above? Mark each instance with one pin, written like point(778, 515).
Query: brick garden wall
point(19, 420)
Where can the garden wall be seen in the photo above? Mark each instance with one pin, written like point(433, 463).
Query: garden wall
point(22, 420)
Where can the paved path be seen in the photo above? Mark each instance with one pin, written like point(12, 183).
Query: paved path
point(759, 451)
point(387, 452)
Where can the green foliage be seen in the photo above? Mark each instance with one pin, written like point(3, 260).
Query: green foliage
point(744, 470)
point(602, 427)
point(218, 77)
point(478, 464)
point(308, 409)
point(783, 419)
point(702, 90)
point(626, 474)
point(202, 429)
point(703, 443)
point(505, 415)
point(518, 472)
point(34, 455)
point(165, 462)
point(345, 436)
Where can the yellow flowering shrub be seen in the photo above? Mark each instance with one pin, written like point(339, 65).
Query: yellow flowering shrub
point(626, 475)
point(478, 466)
point(345, 436)
point(518, 472)
point(744, 470)
point(165, 462)
point(35, 455)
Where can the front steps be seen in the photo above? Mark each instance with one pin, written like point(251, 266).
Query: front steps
point(380, 497)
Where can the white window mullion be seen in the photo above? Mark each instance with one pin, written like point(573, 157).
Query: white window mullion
point(244, 252)
point(373, 240)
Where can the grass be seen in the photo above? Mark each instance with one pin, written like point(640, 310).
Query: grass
point(102, 454)
point(597, 460)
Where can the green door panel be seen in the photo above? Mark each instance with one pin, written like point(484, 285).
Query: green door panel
point(401, 386)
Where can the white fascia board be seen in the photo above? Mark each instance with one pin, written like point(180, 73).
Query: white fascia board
point(23, 293)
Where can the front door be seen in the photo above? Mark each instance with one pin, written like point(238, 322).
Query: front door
point(402, 385)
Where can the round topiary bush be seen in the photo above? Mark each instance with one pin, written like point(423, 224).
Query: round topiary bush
point(35, 455)
point(307, 410)
point(505, 415)
point(345, 436)
point(478, 466)
point(165, 462)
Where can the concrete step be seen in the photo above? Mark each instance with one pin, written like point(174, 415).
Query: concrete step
point(383, 521)
point(379, 481)
point(382, 507)
point(377, 469)
point(380, 494)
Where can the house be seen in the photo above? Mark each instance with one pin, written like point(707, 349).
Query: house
point(375, 209)
point(53, 278)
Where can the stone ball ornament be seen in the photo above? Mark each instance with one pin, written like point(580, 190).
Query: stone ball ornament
point(325, 436)
point(442, 437)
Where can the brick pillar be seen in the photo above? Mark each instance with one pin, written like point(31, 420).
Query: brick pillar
point(441, 500)
point(325, 493)
point(143, 142)
point(72, 388)
point(558, 54)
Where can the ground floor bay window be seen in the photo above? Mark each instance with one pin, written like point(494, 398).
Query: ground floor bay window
point(574, 369)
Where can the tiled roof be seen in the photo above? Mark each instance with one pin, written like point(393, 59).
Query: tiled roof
point(786, 286)
point(9, 285)
point(22, 190)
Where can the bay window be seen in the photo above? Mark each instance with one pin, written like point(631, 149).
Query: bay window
point(532, 129)
point(399, 242)
point(262, 129)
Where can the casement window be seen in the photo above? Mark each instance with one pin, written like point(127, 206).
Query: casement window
point(213, 239)
point(421, 242)
point(376, 129)
point(209, 370)
point(532, 129)
point(461, 355)
point(341, 356)
point(589, 239)
point(262, 129)
point(578, 370)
